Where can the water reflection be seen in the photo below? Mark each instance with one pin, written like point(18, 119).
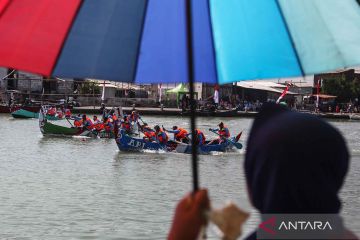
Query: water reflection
point(68, 188)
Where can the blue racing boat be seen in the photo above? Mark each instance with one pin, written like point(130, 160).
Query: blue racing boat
point(128, 143)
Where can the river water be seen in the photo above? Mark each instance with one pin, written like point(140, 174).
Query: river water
point(71, 188)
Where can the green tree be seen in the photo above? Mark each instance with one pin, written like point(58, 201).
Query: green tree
point(344, 90)
point(90, 88)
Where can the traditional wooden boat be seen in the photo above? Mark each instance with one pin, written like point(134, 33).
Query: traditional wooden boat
point(48, 128)
point(128, 143)
point(23, 113)
point(4, 109)
point(354, 116)
point(7, 109)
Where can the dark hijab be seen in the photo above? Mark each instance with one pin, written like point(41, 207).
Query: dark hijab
point(295, 163)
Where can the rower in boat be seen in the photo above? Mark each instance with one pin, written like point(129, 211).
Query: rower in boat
point(125, 125)
point(87, 123)
point(51, 111)
point(161, 136)
point(134, 117)
point(108, 124)
point(59, 113)
point(199, 137)
point(96, 120)
point(97, 124)
point(78, 121)
point(223, 132)
point(180, 134)
point(149, 134)
point(134, 121)
point(112, 116)
point(67, 113)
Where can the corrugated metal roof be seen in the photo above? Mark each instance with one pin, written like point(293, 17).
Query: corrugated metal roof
point(264, 86)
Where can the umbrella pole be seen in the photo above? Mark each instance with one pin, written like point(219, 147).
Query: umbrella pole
point(194, 156)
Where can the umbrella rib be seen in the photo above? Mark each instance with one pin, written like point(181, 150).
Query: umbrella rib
point(140, 40)
point(66, 37)
point(291, 38)
point(94, 69)
point(212, 39)
point(332, 37)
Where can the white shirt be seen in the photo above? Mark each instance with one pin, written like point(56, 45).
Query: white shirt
point(216, 97)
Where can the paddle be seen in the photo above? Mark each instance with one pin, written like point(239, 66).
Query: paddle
point(120, 112)
point(141, 120)
point(235, 143)
point(67, 119)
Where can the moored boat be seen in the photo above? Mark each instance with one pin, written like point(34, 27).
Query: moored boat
point(354, 116)
point(4, 109)
point(23, 112)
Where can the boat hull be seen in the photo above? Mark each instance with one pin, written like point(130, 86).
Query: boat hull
point(22, 113)
point(47, 128)
point(355, 117)
point(204, 149)
point(127, 143)
point(51, 129)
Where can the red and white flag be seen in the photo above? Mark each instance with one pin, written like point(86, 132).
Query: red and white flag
point(283, 93)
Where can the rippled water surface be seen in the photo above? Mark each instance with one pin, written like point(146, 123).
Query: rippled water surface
point(71, 188)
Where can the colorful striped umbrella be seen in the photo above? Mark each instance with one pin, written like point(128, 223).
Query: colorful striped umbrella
point(163, 41)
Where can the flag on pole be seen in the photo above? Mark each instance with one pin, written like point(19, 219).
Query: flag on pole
point(160, 92)
point(283, 93)
point(103, 93)
point(317, 93)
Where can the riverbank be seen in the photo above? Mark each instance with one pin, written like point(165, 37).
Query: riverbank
point(219, 113)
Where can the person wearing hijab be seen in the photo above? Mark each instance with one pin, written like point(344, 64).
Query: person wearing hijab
point(295, 163)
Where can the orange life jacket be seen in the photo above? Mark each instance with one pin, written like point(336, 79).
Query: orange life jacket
point(89, 123)
point(51, 112)
point(126, 125)
point(114, 117)
point(60, 114)
point(108, 125)
point(198, 132)
point(224, 132)
point(162, 136)
point(78, 123)
point(99, 126)
point(181, 134)
point(150, 135)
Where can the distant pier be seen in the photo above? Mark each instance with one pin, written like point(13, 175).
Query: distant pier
point(220, 113)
